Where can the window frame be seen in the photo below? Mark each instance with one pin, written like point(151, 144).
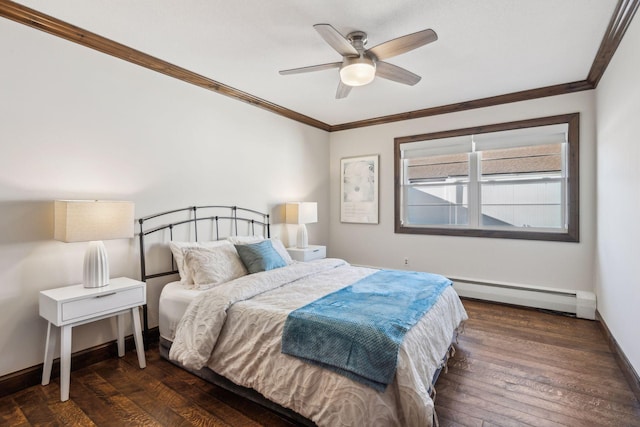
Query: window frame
point(572, 233)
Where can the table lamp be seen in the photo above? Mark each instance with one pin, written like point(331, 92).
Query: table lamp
point(301, 213)
point(93, 221)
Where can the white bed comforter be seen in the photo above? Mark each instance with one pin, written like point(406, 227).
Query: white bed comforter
point(235, 329)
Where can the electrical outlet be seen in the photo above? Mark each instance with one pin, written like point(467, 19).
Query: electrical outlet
point(406, 261)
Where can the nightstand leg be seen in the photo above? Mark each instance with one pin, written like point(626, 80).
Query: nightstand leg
point(65, 361)
point(48, 354)
point(137, 336)
point(120, 335)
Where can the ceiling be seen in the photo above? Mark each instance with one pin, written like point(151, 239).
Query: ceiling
point(484, 48)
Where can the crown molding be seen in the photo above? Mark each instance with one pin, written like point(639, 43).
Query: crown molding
point(525, 95)
point(622, 16)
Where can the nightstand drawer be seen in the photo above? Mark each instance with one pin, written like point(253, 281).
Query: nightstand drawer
point(102, 303)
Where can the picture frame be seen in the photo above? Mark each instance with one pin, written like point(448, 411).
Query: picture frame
point(359, 189)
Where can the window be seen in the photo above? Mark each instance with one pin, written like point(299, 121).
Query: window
point(512, 180)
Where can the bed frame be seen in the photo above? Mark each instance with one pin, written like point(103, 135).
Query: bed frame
point(212, 221)
point(216, 222)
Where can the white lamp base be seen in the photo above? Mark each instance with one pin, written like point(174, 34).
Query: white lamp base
point(302, 240)
point(96, 266)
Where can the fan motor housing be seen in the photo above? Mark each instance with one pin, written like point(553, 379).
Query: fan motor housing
point(358, 40)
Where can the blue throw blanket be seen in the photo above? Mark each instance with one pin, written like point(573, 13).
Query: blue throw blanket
point(357, 330)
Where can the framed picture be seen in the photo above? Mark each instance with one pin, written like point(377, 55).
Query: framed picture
point(359, 189)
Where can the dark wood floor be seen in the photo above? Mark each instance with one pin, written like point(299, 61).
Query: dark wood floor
point(513, 367)
point(522, 367)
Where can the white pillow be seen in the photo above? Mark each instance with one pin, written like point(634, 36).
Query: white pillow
point(282, 251)
point(277, 245)
point(213, 266)
point(178, 256)
point(245, 240)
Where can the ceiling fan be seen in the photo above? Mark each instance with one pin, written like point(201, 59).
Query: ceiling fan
point(359, 66)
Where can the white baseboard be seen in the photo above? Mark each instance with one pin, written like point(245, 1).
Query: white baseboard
point(580, 303)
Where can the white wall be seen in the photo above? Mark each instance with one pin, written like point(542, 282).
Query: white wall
point(75, 123)
point(548, 264)
point(618, 250)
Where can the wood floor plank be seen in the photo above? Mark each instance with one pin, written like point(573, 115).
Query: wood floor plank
point(579, 362)
point(535, 371)
point(568, 378)
point(560, 411)
point(122, 409)
point(488, 397)
point(531, 318)
point(229, 405)
point(97, 409)
point(66, 413)
point(33, 404)
point(222, 399)
point(558, 372)
point(539, 387)
point(69, 414)
point(595, 363)
point(11, 414)
point(203, 394)
point(488, 410)
point(449, 418)
point(188, 409)
point(553, 338)
point(150, 395)
point(531, 322)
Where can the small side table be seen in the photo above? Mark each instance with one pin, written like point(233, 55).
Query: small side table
point(309, 253)
point(76, 305)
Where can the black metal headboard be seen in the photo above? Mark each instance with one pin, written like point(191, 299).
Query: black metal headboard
point(217, 222)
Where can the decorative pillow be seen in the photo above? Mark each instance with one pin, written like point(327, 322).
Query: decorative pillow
point(213, 266)
point(178, 247)
point(260, 256)
point(277, 245)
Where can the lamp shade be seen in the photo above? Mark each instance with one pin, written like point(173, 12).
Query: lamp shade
point(301, 212)
point(91, 220)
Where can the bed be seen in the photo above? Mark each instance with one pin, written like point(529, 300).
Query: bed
point(231, 332)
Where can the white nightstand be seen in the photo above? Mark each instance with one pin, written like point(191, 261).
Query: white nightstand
point(309, 253)
point(75, 305)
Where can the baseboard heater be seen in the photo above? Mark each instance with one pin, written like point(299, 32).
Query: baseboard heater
point(580, 303)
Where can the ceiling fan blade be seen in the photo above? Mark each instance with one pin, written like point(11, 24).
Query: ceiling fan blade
point(336, 40)
point(311, 68)
point(397, 74)
point(343, 90)
point(403, 44)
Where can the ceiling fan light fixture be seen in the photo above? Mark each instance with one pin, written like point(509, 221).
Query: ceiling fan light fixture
point(359, 66)
point(357, 71)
